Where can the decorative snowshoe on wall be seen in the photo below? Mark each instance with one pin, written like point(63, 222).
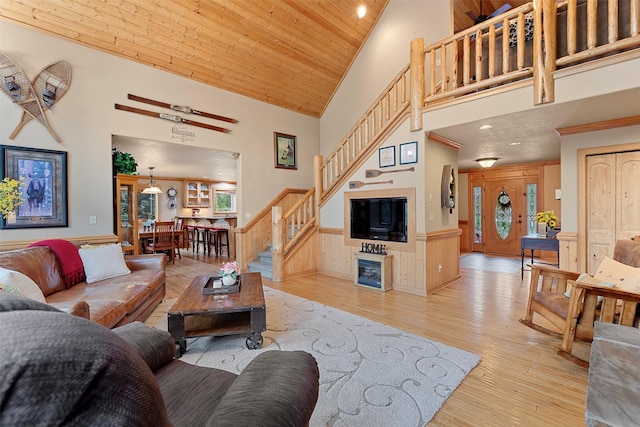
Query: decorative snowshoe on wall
point(34, 97)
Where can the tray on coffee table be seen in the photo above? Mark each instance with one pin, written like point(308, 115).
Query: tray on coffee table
point(208, 288)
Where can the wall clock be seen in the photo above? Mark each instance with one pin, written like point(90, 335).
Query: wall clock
point(172, 193)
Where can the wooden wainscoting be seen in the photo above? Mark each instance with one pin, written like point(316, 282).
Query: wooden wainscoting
point(443, 259)
point(465, 236)
point(301, 259)
point(414, 272)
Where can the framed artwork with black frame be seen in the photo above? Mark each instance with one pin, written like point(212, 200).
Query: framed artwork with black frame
point(387, 156)
point(45, 186)
point(285, 151)
point(409, 152)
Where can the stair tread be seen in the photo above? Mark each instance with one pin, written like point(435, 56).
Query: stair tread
point(261, 265)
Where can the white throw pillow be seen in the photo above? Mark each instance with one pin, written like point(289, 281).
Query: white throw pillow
point(103, 262)
point(586, 278)
point(624, 276)
point(20, 284)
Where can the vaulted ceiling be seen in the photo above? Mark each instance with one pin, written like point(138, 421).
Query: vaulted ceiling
point(290, 53)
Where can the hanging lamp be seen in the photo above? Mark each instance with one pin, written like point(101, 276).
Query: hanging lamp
point(152, 188)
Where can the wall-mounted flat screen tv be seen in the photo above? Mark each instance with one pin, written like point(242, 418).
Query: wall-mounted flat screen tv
point(383, 218)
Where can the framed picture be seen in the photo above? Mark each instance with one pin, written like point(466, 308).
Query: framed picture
point(387, 156)
point(409, 152)
point(45, 186)
point(285, 151)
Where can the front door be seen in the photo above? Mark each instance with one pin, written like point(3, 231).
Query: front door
point(504, 216)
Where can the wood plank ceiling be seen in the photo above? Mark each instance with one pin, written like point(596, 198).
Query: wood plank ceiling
point(290, 53)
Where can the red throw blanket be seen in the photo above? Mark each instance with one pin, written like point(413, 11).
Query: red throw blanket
point(69, 258)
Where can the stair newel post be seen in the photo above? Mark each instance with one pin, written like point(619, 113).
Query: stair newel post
point(277, 234)
point(416, 82)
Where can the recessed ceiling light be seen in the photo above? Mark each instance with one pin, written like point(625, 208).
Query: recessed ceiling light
point(514, 143)
point(485, 127)
point(362, 11)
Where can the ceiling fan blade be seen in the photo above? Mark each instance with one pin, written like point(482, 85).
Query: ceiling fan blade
point(471, 15)
point(500, 10)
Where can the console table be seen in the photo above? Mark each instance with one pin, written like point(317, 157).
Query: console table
point(537, 242)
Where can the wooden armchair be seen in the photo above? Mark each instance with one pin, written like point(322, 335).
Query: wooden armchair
point(546, 297)
point(590, 303)
point(573, 317)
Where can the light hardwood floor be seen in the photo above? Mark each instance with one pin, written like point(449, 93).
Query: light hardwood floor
point(520, 380)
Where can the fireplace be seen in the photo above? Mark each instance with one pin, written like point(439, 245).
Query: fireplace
point(373, 271)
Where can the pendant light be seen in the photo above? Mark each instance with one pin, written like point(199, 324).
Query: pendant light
point(152, 188)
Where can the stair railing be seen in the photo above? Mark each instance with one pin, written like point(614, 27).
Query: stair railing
point(366, 134)
point(255, 236)
point(288, 229)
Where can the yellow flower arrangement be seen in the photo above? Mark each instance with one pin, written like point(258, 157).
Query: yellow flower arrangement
point(11, 195)
point(548, 218)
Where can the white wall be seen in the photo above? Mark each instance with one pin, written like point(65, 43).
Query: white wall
point(85, 119)
point(382, 57)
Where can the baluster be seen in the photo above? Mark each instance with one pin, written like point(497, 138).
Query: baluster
point(592, 23)
point(432, 72)
point(506, 52)
point(612, 29)
point(492, 51)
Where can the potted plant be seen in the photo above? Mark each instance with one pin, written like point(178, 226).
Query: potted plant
point(11, 195)
point(230, 272)
point(123, 163)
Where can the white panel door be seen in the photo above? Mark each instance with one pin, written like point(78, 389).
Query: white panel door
point(628, 194)
point(601, 208)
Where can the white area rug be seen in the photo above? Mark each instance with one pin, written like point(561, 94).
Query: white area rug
point(370, 374)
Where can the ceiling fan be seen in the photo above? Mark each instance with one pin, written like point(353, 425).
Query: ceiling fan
point(481, 17)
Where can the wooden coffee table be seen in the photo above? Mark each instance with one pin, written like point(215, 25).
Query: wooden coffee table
point(196, 314)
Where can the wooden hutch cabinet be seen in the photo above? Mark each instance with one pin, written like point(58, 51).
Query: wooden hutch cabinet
point(126, 212)
point(197, 194)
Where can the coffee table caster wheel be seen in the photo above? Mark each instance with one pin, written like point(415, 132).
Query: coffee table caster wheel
point(254, 341)
point(182, 347)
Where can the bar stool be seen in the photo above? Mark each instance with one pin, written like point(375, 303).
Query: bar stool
point(212, 240)
point(198, 236)
point(223, 232)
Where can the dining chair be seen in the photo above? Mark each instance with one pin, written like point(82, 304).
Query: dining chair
point(179, 235)
point(163, 239)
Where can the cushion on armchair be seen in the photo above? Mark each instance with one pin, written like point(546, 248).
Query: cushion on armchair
point(59, 369)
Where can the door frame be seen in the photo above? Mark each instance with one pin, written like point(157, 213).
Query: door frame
point(530, 172)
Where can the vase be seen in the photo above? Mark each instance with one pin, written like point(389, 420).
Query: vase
point(542, 228)
point(228, 280)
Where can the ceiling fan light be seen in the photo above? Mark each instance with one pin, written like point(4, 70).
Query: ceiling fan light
point(487, 162)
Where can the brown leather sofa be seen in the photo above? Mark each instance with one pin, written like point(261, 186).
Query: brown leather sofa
point(110, 302)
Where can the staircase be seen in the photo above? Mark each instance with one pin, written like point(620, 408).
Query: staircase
point(263, 264)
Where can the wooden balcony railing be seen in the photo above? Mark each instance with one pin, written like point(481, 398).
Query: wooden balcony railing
point(521, 45)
